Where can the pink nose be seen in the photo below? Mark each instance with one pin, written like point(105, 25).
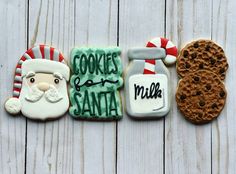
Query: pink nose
point(43, 86)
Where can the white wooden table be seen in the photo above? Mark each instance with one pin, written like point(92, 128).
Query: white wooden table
point(170, 145)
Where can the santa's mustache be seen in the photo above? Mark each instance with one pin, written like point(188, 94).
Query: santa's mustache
point(51, 95)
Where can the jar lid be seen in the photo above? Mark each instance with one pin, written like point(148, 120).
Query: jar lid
point(146, 53)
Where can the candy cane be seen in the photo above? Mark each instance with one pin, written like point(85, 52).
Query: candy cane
point(171, 53)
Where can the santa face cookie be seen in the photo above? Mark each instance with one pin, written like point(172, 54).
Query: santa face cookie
point(95, 82)
point(148, 80)
point(40, 84)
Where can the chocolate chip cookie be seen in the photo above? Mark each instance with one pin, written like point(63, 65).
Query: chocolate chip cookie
point(202, 55)
point(201, 96)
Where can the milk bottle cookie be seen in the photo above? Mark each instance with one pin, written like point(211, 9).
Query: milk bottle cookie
point(147, 82)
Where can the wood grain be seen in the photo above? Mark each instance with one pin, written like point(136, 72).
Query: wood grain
point(50, 144)
point(96, 26)
point(13, 34)
point(187, 147)
point(140, 143)
point(68, 145)
point(169, 145)
point(223, 130)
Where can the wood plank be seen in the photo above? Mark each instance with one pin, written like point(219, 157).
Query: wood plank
point(187, 147)
point(68, 145)
point(13, 34)
point(96, 26)
point(223, 133)
point(140, 143)
point(50, 144)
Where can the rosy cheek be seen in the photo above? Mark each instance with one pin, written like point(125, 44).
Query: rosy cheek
point(31, 82)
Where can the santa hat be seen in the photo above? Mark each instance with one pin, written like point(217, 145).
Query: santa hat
point(40, 58)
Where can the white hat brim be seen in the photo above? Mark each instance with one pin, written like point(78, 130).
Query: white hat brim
point(45, 66)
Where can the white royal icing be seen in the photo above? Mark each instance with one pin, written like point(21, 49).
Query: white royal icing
point(13, 106)
point(52, 95)
point(45, 66)
point(148, 93)
point(49, 106)
point(34, 95)
point(169, 59)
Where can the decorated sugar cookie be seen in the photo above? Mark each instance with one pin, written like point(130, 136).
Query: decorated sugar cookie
point(40, 84)
point(147, 82)
point(202, 55)
point(96, 79)
point(201, 96)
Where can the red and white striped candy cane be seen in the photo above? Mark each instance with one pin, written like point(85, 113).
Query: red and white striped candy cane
point(171, 53)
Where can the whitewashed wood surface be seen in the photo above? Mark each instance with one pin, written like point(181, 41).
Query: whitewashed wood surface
point(67, 146)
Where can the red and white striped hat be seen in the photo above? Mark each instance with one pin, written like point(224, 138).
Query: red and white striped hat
point(40, 58)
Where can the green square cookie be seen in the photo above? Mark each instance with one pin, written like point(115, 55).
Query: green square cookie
point(95, 81)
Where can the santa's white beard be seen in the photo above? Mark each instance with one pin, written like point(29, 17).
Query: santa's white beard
point(41, 105)
point(51, 95)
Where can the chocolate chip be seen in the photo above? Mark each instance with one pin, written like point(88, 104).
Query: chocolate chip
point(219, 57)
point(200, 114)
point(208, 47)
point(214, 105)
point(182, 97)
point(198, 93)
point(194, 55)
point(201, 66)
point(196, 79)
point(187, 65)
point(222, 93)
point(201, 103)
point(213, 61)
point(196, 45)
point(185, 53)
point(222, 70)
point(208, 86)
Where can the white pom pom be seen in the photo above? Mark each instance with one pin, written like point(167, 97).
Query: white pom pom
point(13, 106)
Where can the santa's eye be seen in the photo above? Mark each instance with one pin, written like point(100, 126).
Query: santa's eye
point(32, 80)
point(56, 81)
